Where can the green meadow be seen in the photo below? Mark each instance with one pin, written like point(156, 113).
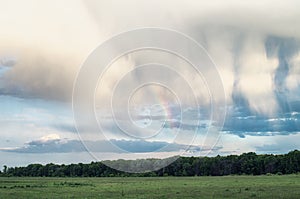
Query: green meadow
point(265, 186)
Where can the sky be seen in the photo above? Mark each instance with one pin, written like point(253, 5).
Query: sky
point(147, 102)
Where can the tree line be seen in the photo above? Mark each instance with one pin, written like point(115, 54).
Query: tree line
point(246, 163)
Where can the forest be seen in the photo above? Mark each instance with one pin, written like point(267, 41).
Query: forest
point(244, 164)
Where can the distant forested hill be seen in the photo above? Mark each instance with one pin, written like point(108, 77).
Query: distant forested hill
point(247, 163)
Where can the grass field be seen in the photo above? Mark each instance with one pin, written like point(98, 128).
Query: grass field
point(285, 186)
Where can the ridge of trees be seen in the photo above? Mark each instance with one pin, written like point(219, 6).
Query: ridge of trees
point(246, 163)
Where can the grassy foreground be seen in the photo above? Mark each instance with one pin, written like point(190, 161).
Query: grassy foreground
point(285, 186)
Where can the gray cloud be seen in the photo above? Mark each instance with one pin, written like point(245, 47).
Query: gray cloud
point(240, 122)
point(113, 146)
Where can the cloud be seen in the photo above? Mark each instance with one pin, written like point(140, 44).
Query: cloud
point(242, 123)
point(52, 143)
point(247, 45)
point(8, 61)
point(49, 48)
point(279, 144)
